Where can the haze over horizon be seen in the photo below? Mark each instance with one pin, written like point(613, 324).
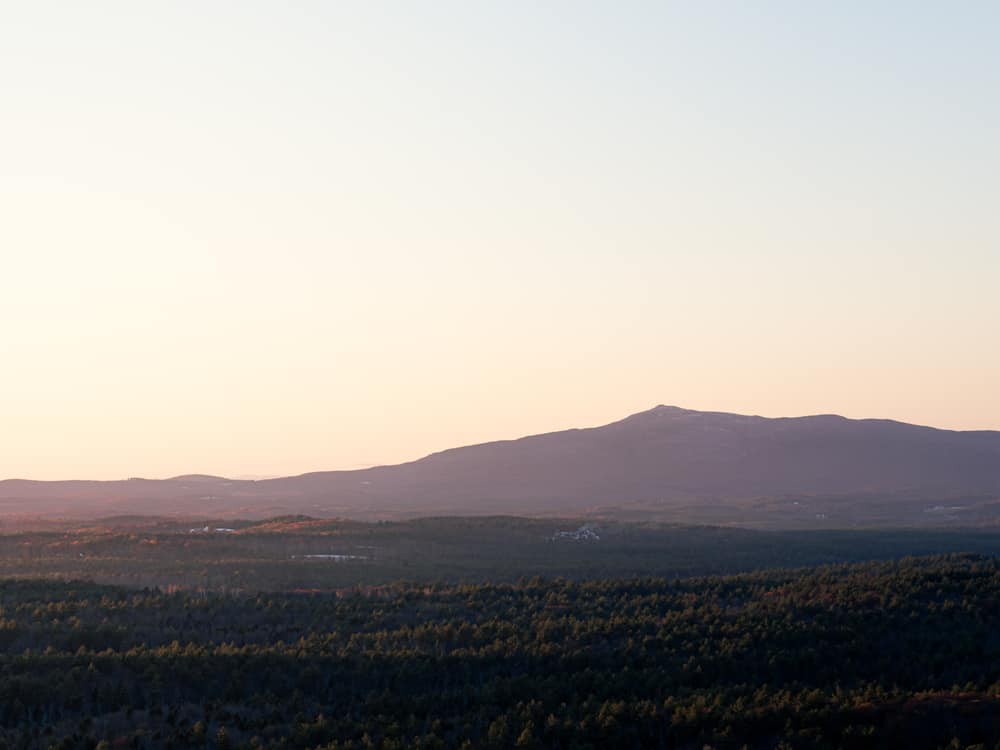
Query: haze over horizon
point(670, 408)
point(255, 239)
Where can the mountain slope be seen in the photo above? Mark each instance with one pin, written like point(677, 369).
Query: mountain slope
point(662, 459)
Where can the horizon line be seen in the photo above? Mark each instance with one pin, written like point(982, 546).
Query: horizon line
point(252, 477)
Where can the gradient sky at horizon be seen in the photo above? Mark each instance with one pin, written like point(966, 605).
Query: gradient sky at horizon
point(267, 238)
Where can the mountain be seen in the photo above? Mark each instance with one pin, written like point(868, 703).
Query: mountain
point(666, 463)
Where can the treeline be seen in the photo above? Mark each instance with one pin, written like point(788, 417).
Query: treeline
point(903, 654)
point(300, 553)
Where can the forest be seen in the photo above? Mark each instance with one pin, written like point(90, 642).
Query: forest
point(301, 553)
point(898, 654)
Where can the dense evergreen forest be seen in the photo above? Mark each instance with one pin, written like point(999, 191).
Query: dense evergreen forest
point(887, 654)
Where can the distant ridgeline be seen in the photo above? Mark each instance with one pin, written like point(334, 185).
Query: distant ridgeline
point(901, 654)
point(666, 463)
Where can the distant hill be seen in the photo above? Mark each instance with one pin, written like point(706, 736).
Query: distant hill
point(665, 463)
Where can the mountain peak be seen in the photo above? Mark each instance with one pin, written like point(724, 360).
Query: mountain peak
point(668, 461)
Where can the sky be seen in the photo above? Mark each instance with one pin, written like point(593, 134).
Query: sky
point(264, 238)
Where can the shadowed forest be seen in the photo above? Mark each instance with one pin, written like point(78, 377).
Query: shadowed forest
point(887, 654)
point(509, 632)
point(301, 553)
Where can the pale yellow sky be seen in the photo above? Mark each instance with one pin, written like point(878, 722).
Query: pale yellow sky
point(245, 239)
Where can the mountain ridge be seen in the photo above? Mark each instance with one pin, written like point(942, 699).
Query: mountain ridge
point(661, 461)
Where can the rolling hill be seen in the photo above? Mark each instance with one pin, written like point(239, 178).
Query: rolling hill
point(666, 463)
